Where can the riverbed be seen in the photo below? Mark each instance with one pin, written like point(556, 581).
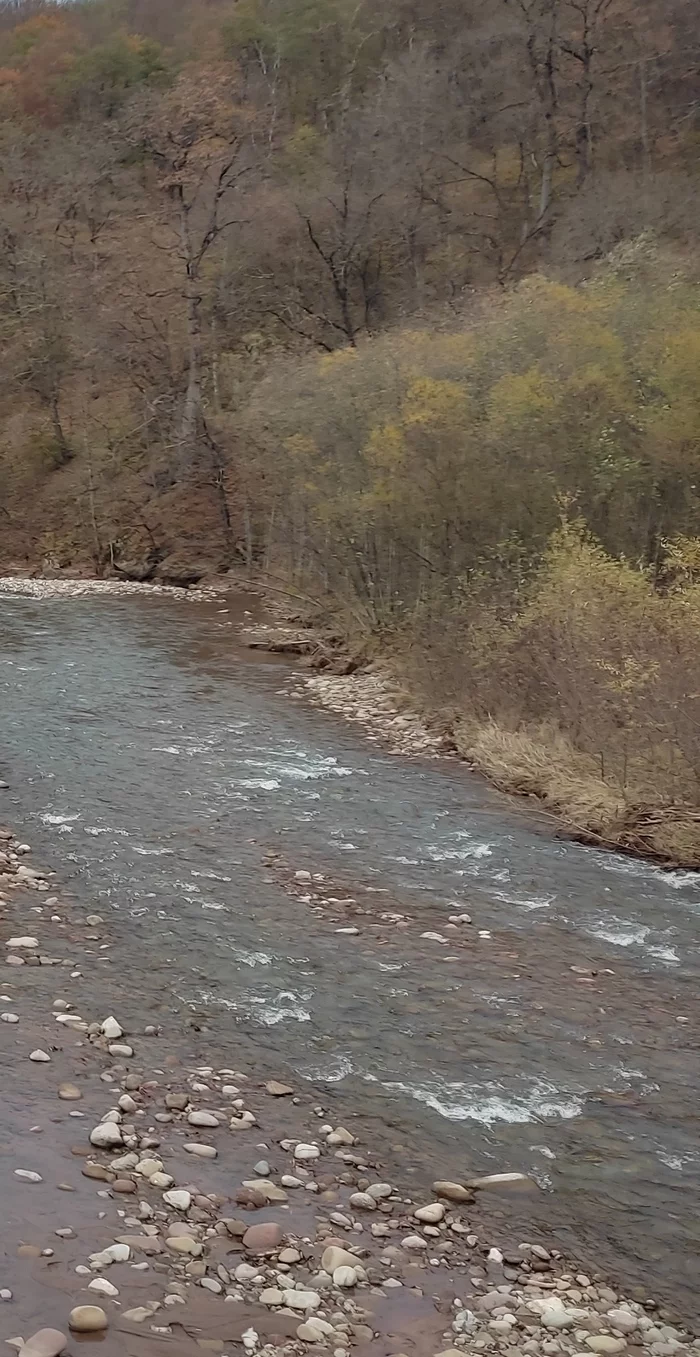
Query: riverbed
point(270, 875)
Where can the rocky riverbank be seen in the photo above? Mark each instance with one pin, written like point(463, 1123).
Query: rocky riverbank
point(156, 1204)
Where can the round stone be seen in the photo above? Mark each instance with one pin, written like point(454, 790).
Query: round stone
point(87, 1319)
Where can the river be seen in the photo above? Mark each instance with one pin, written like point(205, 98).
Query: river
point(158, 766)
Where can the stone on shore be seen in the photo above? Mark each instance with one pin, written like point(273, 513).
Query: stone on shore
point(69, 1093)
point(502, 1180)
point(301, 1300)
point(111, 1029)
point(87, 1319)
point(41, 1057)
point(202, 1151)
point(202, 1119)
point(263, 1238)
point(431, 1214)
point(453, 1192)
point(334, 1257)
point(106, 1135)
point(178, 1198)
point(45, 1343)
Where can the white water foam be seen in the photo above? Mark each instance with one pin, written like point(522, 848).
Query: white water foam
point(619, 932)
point(262, 784)
point(488, 1103)
point(62, 821)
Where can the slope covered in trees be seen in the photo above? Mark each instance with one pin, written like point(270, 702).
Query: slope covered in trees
point(395, 303)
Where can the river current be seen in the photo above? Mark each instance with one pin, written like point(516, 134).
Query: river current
point(157, 766)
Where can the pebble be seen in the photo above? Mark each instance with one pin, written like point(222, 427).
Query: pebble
point(431, 1214)
point(605, 1343)
point(5, 1294)
point(363, 1201)
point(334, 1257)
point(211, 1284)
point(301, 1300)
point(184, 1244)
point(104, 1287)
point(117, 1048)
point(304, 1152)
point(127, 1104)
point(22, 942)
point(179, 1198)
point(106, 1135)
point(414, 1242)
point(202, 1119)
point(176, 1102)
point(501, 1180)
point(264, 1238)
point(345, 1276)
point(271, 1296)
point(111, 1029)
point(262, 1168)
point(9, 1017)
point(69, 1093)
point(40, 1057)
point(202, 1151)
point(28, 1175)
point(278, 1090)
point(87, 1319)
point(380, 1191)
point(45, 1343)
point(454, 1192)
point(315, 1330)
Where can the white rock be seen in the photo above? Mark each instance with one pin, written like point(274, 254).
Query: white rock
point(334, 1257)
point(622, 1320)
point(495, 1179)
point(202, 1119)
point(380, 1191)
point(211, 1284)
point(178, 1198)
point(304, 1152)
point(105, 1135)
point(271, 1296)
point(111, 1029)
point(125, 1161)
point(28, 1176)
point(117, 1048)
point(147, 1167)
point(301, 1300)
point(431, 1214)
point(9, 1017)
point(201, 1151)
point(434, 937)
point(105, 1288)
point(245, 1272)
point(23, 942)
point(345, 1276)
point(116, 1253)
point(40, 1057)
point(314, 1330)
point(127, 1103)
point(363, 1201)
point(414, 1242)
point(161, 1180)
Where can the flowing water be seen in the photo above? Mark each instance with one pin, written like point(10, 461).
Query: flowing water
point(156, 765)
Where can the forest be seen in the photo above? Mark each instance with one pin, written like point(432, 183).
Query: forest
point(396, 309)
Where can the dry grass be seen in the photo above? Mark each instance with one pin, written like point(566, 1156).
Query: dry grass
point(541, 762)
point(544, 764)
